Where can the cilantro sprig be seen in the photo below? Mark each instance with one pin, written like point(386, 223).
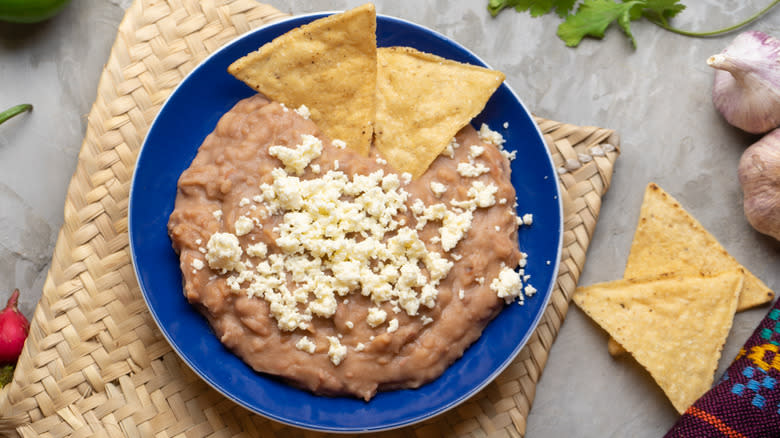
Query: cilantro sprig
point(593, 17)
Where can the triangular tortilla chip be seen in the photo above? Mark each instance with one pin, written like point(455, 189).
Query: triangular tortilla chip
point(423, 100)
point(329, 65)
point(668, 240)
point(675, 327)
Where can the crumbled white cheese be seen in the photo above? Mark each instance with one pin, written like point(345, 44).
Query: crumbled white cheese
point(197, 264)
point(449, 150)
point(258, 249)
point(376, 316)
point(453, 228)
point(339, 235)
point(244, 202)
point(528, 219)
point(489, 136)
point(507, 285)
point(529, 290)
point(217, 214)
point(438, 188)
point(483, 194)
point(471, 170)
point(341, 144)
point(510, 156)
point(296, 159)
point(224, 252)
point(392, 325)
point(306, 344)
point(243, 225)
point(336, 351)
point(303, 111)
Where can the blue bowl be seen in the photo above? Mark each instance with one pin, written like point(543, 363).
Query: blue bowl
point(192, 112)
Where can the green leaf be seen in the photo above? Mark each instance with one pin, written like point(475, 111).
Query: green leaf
point(594, 16)
point(661, 10)
point(563, 7)
point(496, 6)
point(624, 21)
point(536, 8)
point(592, 19)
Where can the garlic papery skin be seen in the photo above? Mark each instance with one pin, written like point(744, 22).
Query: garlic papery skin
point(746, 88)
point(759, 174)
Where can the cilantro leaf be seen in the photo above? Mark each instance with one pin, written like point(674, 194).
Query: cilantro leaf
point(624, 21)
point(661, 10)
point(592, 19)
point(536, 8)
point(564, 7)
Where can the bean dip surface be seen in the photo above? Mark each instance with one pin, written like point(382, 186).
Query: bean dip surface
point(256, 288)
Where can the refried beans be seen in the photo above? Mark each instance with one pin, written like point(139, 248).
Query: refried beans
point(226, 194)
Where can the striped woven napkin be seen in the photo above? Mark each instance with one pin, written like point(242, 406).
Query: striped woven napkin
point(746, 400)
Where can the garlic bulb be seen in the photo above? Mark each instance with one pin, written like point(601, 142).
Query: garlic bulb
point(759, 174)
point(746, 89)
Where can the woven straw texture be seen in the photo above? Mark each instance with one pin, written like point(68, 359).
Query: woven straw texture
point(96, 365)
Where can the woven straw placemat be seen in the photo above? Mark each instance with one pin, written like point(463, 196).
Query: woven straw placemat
point(95, 364)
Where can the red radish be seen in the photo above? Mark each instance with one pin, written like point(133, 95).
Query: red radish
point(13, 330)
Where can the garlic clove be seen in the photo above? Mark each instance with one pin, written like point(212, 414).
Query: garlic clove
point(746, 88)
point(759, 175)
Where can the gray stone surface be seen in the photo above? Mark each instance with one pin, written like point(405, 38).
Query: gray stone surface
point(657, 97)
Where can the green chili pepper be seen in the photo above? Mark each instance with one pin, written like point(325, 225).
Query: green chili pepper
point(14, 110)
point(29, 11)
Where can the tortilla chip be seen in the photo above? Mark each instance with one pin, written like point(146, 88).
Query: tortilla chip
point(668, 240)
point(423, 100)
point(330, 66)
point(675, 327)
